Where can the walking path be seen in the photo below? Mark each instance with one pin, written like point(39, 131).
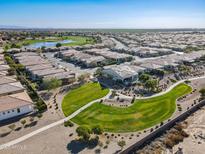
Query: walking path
point(167, 90)
point(23, 138)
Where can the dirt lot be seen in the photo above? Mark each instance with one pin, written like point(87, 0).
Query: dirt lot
point(50, 116)
point(195, 143)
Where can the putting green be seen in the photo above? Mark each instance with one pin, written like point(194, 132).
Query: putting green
point(81, 96)
point(142, 114)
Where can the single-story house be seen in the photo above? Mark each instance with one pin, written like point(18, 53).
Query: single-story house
point(124, 73)
point(11, 106)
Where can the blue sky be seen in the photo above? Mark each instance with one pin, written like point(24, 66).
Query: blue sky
point(103, 13)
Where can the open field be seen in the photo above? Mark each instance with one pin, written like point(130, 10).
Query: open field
point(141, 115)
point(81, 96)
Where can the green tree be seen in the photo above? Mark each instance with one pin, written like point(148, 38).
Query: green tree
point(97, 130)
point(58, 45)
point(202, 91)
point(83, 132)
point(98, 72)
point(6, 47)
point(184, 68)
point(84, 77)
point(11, 71)
point(121, 144)
point(52, 83)
point(43, 48)
point(13, 45)
point(9, 60)
point(144, 77)
point(151, 85)
point(23, 122)
point(19, 67)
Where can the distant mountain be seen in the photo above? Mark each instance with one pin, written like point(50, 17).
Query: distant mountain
point(11, 27)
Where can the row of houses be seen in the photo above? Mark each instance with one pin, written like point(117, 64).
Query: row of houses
point(170, 61)
point(94, 57)
point(117, 58)
point(146, 52)
point(127, 73)
point(177, 41)
point(30, 49)
point(40, 69)
point(14, 101)
point(82, 59)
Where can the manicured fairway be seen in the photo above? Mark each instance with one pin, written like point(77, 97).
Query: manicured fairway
point(77, 41)
point(142, 114)
point(81, 96)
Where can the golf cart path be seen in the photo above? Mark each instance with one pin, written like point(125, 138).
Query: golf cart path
point(29, 135)
point(167, 90)
point(23, 138)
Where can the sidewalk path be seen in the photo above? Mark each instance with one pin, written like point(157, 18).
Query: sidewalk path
point(23, 138)
point(167, 90)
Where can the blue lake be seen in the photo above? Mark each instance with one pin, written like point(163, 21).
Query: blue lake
point(48, 44)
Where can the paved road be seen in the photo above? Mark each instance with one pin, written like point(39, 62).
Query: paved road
point(23, 138)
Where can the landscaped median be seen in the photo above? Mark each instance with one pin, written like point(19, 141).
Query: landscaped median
point(142, 114)
point(81, 96)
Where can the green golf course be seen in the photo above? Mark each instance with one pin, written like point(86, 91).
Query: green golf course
point(81, 96)
point(142, 114)
point(76, 41)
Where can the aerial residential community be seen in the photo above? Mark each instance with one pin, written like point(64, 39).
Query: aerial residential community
point(80, 87)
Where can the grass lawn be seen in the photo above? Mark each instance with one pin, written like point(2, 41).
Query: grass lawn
point(142, 114)
point(81, 96)
point(77, 41)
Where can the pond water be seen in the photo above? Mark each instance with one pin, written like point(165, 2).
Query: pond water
point(48, 44)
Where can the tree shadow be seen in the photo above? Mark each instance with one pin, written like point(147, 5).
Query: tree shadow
point(75, 146)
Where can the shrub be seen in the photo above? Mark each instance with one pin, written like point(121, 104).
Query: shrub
point(97, 151)
point(12, 127)
point(172, 80)
point(121, 143)
point(183, 133)
point(187, 81)
point(133, 100)
point(169, 143)
point(94, 141)
point(39, 115)
point(105, 147)
point(100, 144)
point(31, 119)
point(52, 83)
point(23, 122)
point(178, 127)
point(83, 132)
point(68, 123)
point(97, 130)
